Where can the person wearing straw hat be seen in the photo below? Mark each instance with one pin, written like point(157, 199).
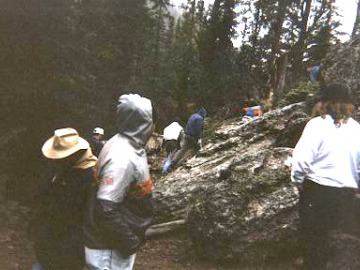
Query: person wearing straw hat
point(123, 207)
point(326, 165)
point(61, 201)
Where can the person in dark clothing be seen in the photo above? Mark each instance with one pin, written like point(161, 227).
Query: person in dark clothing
point(61, 202)
point(192, 140)
point(97, 141)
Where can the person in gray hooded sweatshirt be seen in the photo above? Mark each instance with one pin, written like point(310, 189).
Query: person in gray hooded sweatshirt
point(122, 208)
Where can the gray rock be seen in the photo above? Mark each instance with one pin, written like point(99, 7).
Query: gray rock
point(236, 193)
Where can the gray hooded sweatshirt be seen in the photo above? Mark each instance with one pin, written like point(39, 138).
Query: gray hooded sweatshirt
point(123, 204)
point(123, 160)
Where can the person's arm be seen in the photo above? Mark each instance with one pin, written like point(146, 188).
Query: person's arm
point(198, 127)
point(111, 211)
point(305, 153)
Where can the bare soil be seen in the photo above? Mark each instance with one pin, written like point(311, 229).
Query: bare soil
point(173, 251)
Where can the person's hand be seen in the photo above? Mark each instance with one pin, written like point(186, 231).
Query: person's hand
point(300, 187)
point(200, 144)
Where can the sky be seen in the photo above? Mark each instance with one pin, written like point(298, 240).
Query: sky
point(347, 11)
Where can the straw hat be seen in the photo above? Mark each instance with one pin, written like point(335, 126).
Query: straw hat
point(65, 142)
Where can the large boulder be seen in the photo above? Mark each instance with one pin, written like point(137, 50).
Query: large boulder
point(236, 193)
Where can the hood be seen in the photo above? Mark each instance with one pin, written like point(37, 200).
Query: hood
point(134, 118)
point(202, 112)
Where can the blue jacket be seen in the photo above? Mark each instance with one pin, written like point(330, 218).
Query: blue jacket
point(195, 124)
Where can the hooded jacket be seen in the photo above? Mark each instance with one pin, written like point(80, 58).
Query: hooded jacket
point(123, 205)
point(195, 124)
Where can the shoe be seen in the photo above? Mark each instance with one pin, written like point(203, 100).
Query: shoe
point(167, 166)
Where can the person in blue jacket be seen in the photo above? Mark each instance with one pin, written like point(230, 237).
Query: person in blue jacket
point(192, 140)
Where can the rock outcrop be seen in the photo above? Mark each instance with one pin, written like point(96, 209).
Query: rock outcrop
point(236, 193)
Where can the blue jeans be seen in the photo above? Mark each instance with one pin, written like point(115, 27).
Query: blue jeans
point(106, 259)
point(36, 266)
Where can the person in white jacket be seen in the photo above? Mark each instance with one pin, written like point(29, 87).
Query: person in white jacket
point(326, 165)
point(172, 136)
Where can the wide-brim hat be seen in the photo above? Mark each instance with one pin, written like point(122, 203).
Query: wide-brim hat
point(64, 143)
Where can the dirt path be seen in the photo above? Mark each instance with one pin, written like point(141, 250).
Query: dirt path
point(173, 252)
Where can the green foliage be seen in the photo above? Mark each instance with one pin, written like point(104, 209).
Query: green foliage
point(304, 91)
point(65, 62)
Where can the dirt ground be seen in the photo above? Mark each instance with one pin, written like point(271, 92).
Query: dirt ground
point(170, 252)
point(173, 252)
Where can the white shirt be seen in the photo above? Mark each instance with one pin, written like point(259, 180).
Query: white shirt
point(172, 131)
point(328, 155)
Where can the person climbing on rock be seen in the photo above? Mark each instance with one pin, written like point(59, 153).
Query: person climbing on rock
point(192, 140)
point(326, 163)
point(60, 204)
point(172, 137)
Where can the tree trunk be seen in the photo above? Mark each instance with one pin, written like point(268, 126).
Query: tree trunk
point(282, 66)
point(300, 45)
point(276, 34)
point(163, 228)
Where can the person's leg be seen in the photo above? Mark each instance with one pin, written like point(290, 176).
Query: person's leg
point(346, 216)
point(180, 154)
point(120, 261)
point(314, 230)
point(105, 259)
point(187, 145)
point(97, 259)
point(36, 266)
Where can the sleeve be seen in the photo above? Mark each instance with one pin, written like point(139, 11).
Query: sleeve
point(115, 181)
point(305, 153)
point(111, 211)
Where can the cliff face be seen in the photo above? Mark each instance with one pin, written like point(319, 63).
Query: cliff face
point(236, 193)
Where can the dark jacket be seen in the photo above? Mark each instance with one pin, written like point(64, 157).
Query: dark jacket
point(122, 207)
point(96, 146)
point(195, 124)
point(59, 218)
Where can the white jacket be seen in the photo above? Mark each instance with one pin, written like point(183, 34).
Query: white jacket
point(327, 154)
point(172, 131)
